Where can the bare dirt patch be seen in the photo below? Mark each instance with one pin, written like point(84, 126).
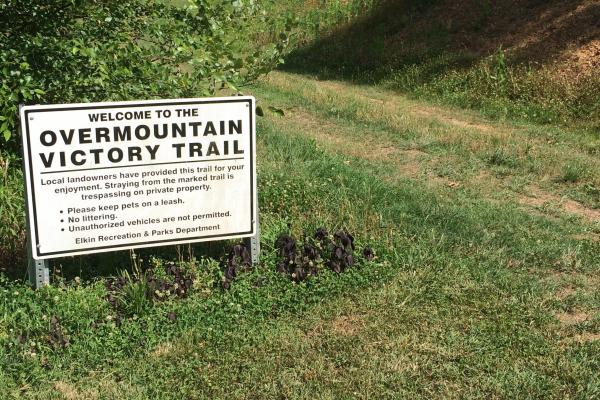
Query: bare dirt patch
point(583, 60)
point(442, 116)
point(565, 292)
point(562, 34)
point(70, 392)
point(538, 200)
point(572, 318)
point(574, 207)
point(411, 162)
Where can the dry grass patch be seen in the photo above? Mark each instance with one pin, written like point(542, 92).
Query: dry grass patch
point(593, 237)
point(94, 387)
point(347, 325)
point(572, 318)
point(335, 137)
point(341, 325)
point(67, 391)
point(162, 349)
point(442, 116)
point(586, 337)
point(569, 282)
point(544, 199)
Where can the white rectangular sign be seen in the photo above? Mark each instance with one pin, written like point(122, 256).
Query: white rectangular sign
point(112, 176)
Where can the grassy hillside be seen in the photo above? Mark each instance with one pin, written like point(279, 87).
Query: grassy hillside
point(526, 59)
point(485, 233)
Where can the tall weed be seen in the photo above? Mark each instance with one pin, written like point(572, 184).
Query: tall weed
point(12, 215)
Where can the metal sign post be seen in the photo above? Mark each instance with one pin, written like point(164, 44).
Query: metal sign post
point(37, 270)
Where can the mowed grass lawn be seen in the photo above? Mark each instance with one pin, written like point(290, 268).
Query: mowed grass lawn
point(485, 283)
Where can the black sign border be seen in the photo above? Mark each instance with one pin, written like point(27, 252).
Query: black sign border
point(156, 243)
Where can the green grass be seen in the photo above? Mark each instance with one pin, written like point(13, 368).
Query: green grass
point(462, 301)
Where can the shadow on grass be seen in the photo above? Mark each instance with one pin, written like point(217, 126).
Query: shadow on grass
point(102, 265)
point(443, 35)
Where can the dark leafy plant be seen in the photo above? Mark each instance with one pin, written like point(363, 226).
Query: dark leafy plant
point(237, 259)
point(322, 250)
point(287, 252)
point(368, 253)
point(57, 336)
point(174, 282)
point(342, 253)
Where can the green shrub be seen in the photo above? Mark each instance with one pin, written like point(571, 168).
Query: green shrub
point(60, 51)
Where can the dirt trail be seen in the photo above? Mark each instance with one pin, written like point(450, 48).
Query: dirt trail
point(390, 101)
point(457, 127)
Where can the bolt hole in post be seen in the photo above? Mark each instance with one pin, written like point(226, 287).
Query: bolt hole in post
point(253, 244)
